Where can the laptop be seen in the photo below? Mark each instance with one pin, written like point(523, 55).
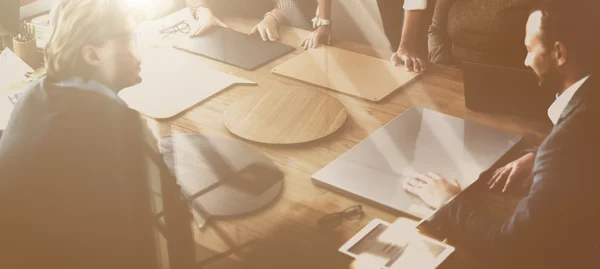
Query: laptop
point(234, 48)
point(505, 91)
point(417, 141)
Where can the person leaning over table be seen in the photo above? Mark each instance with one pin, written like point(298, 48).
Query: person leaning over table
point(73, 159)
point(556, 224)
point(482, 31)
point(407, 52)
point(274, 12)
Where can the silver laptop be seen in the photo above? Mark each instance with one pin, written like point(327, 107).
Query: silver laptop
point(417, 141)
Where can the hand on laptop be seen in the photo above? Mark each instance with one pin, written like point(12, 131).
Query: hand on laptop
point(322, 35)
point(206, 20)
point(432, 188)
point(411, 60)
point(267, 28)
point(515, 172)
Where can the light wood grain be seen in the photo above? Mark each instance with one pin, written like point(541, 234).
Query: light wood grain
point(346, 71)
point(285, 117)
point(173, 81)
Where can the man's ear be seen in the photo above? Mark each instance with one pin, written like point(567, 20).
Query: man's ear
point(90, 55)
point(560, 53)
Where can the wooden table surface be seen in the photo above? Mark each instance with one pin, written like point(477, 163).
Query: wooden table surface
point(290, 237)
point(287, 231)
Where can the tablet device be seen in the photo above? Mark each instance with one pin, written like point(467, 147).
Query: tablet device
point(384, 245)
point(234, 48)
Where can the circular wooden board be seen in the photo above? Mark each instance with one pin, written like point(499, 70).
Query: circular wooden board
point(285, 117)
point(220, 176)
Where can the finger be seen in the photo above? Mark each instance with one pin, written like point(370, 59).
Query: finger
point(269, 34)
point(263, 33)
point(414, 183)
point(435, 176)
point(416, 64)
point(275, 34)
point(253, 30)
point(510, 178)
point(501, 177)
point(424, 178)
point(408, 63)
point(455, 183)
point(394, 59)
point(304, 43)
point(411, 189)
point(494, 177)
point(313, 43)
point(423, 64)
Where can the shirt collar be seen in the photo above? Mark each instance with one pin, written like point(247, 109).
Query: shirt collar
point(557, 108)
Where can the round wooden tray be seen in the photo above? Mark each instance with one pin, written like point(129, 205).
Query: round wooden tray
point(285, 117)
point(220, 176)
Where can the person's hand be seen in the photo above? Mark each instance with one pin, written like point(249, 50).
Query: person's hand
point(267, 28)
point(206, 20)
point(432, 188)
point(322, 35)
point(513, 173)
point(411, 60)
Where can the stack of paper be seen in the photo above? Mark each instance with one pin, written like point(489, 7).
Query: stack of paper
point(12, 70)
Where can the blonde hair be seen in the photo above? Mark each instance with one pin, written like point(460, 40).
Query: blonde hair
point(78, 23)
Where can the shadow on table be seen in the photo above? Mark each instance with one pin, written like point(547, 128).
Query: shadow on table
point(289, 250)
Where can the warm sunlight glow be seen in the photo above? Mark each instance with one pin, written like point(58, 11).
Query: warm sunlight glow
point(140, 3)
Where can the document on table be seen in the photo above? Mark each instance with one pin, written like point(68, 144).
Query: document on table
point(12, 68)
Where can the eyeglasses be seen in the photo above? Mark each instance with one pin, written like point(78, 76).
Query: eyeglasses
point(180, 27)
point(333, 220)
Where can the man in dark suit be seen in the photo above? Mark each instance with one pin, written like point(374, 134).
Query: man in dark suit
point(556, 224)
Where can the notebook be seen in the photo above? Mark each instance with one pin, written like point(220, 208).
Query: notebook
point(234, 48)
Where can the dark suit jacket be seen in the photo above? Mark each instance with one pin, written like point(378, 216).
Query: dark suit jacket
point(74, 186)
point(557, 225)
point(480, 31)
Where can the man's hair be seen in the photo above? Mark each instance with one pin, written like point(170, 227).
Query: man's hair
point(78, 23)
point(575, 24)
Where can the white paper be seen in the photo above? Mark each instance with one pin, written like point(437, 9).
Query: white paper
point(12, 68)
point(8, 99)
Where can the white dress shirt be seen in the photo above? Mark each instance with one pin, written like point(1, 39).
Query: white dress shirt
point(557, 108)
point(415, 4)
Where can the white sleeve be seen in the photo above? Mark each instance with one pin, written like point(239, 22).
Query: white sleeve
point(415, 4)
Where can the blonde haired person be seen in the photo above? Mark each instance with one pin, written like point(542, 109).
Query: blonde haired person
point(73, 185)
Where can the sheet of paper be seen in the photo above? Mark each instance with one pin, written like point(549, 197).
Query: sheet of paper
point(8, 99)
point(12, 68)
point(397, 246)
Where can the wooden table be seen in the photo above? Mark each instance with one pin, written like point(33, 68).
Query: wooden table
point(289, 237)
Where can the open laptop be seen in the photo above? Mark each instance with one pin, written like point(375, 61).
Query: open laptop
point(417, 141)
point(505, 91)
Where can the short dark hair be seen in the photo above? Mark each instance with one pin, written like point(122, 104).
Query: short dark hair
point(574, 23)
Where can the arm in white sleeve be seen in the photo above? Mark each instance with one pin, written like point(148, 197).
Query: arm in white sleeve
point(415, 4)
